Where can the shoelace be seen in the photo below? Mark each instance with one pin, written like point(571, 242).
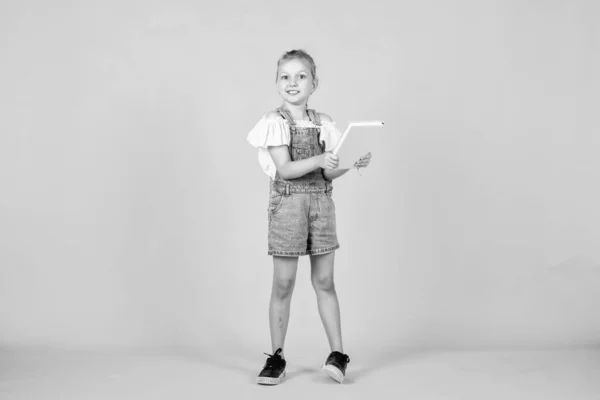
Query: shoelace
point(273, 358)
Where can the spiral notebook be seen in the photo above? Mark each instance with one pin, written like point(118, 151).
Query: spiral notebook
point(353, 146)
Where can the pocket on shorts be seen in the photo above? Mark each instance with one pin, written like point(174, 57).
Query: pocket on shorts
point(275, 201)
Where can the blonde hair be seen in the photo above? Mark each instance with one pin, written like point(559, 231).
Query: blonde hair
point(300, 54)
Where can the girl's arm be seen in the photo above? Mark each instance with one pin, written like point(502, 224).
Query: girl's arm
point(331, 174)
point(289, 169)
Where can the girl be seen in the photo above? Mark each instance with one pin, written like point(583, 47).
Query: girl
point(295, 145)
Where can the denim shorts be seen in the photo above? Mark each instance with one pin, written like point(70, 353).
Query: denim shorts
point(301, 219)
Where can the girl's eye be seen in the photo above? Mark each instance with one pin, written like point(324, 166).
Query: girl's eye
point(284, 77)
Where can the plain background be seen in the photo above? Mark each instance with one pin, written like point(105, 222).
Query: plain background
point(134, 213)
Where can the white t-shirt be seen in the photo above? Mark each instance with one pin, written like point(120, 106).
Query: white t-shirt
point(275, 131)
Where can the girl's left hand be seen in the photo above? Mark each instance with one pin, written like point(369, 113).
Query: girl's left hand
point(364, 161)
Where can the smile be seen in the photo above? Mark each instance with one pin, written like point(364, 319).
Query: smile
point(293, 91)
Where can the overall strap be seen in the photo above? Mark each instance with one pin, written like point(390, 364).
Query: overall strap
point(314, 117)
point(286, 115)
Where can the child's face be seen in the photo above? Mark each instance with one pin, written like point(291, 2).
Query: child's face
point(295, 83)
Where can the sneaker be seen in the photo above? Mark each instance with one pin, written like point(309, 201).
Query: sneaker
point(274, 370)
point(335, 366)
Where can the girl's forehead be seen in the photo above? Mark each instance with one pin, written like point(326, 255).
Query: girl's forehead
point(294, 65)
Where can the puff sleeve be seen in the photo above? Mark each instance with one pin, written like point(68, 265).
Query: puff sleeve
point(268, 131)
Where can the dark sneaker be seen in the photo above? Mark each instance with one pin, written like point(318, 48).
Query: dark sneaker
point(335, 366)
point(274, 370)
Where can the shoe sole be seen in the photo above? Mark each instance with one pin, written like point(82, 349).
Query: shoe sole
point(265, 380)
point(333, 373)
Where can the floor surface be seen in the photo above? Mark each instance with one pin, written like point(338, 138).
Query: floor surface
point(28, 373)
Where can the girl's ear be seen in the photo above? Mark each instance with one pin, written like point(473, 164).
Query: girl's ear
point(315, 84)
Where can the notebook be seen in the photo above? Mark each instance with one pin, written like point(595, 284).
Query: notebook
point(353, 146)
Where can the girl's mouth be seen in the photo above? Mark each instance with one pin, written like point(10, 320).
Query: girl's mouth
point(293, 92)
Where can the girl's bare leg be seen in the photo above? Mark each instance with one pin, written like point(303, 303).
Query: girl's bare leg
point(284, 280)
point(329, 308)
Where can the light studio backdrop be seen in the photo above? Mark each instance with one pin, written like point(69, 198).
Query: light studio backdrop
point(134, 213)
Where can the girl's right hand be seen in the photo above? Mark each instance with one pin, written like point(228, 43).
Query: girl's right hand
point(328, 160)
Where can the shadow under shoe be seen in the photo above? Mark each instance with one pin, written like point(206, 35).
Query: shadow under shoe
point(335, 366)
point(274, 370)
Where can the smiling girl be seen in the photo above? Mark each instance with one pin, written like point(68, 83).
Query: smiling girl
point(294, 149)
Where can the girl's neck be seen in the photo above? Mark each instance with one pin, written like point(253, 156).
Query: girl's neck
point(298, 112)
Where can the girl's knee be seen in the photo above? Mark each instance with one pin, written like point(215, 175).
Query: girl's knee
point(323, 283)
point(283, 287)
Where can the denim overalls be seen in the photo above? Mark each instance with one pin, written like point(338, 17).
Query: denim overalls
point(301, 210)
